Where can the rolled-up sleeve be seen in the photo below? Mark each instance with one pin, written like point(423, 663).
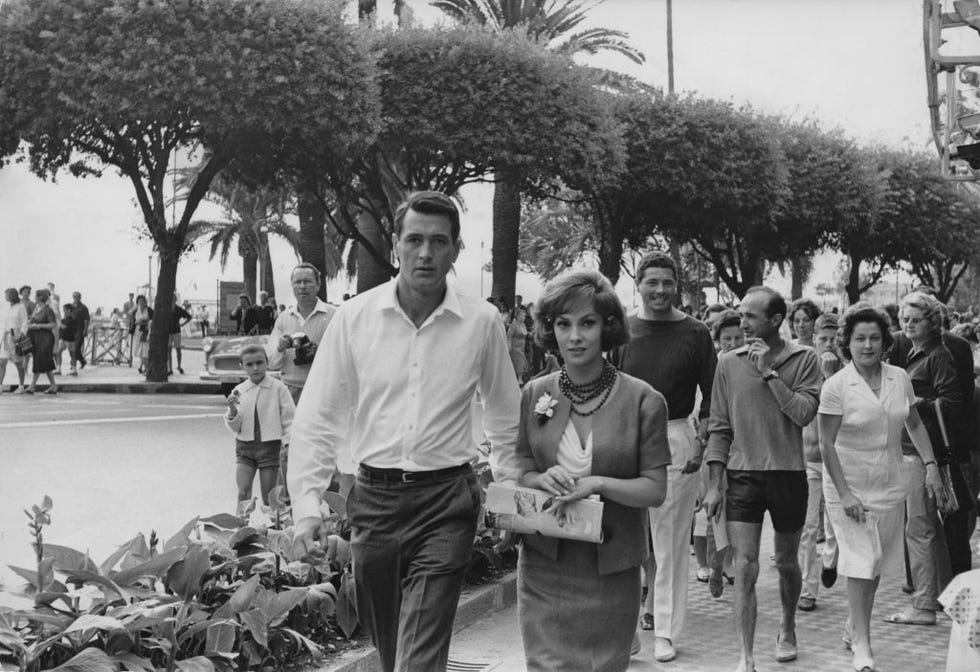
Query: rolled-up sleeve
point(322, 420)
point(798, 401)
point(501, 397)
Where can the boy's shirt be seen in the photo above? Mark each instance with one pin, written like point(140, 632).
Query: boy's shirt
point(275, 411)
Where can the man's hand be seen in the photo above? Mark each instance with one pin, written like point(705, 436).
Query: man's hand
point(828, 364)
point(508, 540)
point(712, 502)
point(693, 464)
point(307, 533)
point(759, 353)
point(285, 342)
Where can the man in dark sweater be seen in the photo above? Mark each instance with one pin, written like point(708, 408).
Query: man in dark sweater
point(674, 353)
point(763, 394)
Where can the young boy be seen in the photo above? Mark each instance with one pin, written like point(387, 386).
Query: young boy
point(260, 412)
point(825, 344)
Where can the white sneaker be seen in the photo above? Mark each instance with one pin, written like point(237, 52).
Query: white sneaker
point(663, 650)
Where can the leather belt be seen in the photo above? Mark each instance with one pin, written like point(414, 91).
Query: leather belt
point(401, 476)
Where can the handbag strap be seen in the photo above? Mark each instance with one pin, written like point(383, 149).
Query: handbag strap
point(942, 423)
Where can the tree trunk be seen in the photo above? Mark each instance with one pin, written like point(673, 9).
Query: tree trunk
point(159, 339)
point(506, 236)
point(611, 254)
point(249, 274)
point(268, 279)
point(675, 254)
point(853, 286)
point(312, 220)
point(796, 271)
point(370, 274)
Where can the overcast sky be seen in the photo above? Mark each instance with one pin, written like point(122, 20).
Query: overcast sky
point(856, 64)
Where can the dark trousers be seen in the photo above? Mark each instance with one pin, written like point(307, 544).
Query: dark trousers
point(411, 543)
point(78, 349)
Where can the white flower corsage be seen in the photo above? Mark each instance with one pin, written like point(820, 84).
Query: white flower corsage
point(545, 408)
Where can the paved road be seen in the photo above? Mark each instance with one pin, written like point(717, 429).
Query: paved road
point(708, 641)
point(114, 465)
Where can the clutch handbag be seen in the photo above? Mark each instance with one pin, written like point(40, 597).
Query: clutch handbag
point(950, 503)
point(22, 345)
point(530, 511)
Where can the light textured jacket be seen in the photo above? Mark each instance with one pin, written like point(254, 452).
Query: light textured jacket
point(276, 410)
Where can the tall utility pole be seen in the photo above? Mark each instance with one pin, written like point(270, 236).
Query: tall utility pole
point(670, 46)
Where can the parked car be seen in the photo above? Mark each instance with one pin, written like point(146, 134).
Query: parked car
point(221, 359)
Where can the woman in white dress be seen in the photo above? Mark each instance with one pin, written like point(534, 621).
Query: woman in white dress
point(863, 409)
point(14, 323)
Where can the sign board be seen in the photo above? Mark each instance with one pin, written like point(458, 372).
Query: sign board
point(228, 293)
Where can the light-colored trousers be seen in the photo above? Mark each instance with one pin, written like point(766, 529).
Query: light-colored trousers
point(809, 566)
point(920, 536)
point(670, 529)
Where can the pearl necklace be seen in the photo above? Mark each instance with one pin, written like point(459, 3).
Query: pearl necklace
point(586, 392)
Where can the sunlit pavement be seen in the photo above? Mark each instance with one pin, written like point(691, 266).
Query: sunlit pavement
point(114, 465)
point(708, 642)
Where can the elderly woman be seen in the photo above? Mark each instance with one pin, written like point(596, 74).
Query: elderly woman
point(803, 314)
point(863, 410)
point(41, 327)
point(920, 351)
point(606, 435)
point(13, 320)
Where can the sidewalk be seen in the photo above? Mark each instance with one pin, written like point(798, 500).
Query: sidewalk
point(708, 641)
point(107, 378)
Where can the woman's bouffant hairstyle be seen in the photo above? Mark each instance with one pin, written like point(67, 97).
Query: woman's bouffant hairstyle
point(807, 306)
point(12, 295)
point(729, 318)
point(569, 290)
point(862, 313)
point(931, 310)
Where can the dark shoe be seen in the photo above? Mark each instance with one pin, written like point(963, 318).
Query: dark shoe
point(170, 373)
point(180, 370)
point(646, 622)
point(907, 589)
point(716, 586)
point(807, 604)
point(730, 579)
point(828, 576)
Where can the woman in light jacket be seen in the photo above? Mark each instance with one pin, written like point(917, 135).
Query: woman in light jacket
point(14, 323)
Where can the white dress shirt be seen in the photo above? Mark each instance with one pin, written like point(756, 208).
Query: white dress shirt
point(288, 323)
point(275, 411)
point(399, 396)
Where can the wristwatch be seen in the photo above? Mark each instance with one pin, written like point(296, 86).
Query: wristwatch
point(770, 375)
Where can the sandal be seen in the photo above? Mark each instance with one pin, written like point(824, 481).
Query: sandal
point(703, 574)
point(51, 390)
point(902, 618)
point(646, 622)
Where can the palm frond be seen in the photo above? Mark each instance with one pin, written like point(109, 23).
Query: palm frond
point(594, 40)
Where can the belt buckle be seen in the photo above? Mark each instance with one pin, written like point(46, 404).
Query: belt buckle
point(407, 477)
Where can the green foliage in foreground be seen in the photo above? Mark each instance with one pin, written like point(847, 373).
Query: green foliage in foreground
point(219, 595)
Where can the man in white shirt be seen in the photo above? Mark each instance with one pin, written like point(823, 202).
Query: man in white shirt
point(394, 380)
point(310, 316)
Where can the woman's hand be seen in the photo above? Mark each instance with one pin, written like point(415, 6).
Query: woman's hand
point(934, 485)
point(853, 507)
point(583, 487)
point(555, 480)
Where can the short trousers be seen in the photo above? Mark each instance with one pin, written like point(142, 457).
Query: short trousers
point(257, 455)
point(782, 493)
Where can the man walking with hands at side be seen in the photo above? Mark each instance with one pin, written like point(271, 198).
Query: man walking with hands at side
point(764, 393)
point(394, 379)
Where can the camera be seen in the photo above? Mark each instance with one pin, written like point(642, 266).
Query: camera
point(304, 348)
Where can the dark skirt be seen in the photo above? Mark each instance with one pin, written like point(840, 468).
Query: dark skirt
point(43, 355)
point(572, 619)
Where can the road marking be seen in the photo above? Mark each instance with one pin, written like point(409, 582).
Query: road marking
point(98, 421)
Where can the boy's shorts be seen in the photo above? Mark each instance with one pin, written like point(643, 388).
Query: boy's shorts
point(259, 455)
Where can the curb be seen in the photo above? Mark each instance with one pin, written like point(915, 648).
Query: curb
point(472, 608)
point(136, 388)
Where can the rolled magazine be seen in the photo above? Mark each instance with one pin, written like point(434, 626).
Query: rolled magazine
point(530, 511)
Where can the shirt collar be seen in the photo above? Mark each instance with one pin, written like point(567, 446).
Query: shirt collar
point(320, 307)
point(265, 384)
point(450, 302)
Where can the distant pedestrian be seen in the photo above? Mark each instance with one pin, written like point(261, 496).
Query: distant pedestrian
point(13, 321)
point(81, 316)
point(260, 413)
point(265, 314)
point(128, 306)
point(178, 318)
point(204, 318)
point(66, 339)
point(244, 315)
point(25, 298)
point(42, 326)
point(139, 328)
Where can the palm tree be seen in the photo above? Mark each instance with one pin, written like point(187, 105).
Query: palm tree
point(554, 21)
